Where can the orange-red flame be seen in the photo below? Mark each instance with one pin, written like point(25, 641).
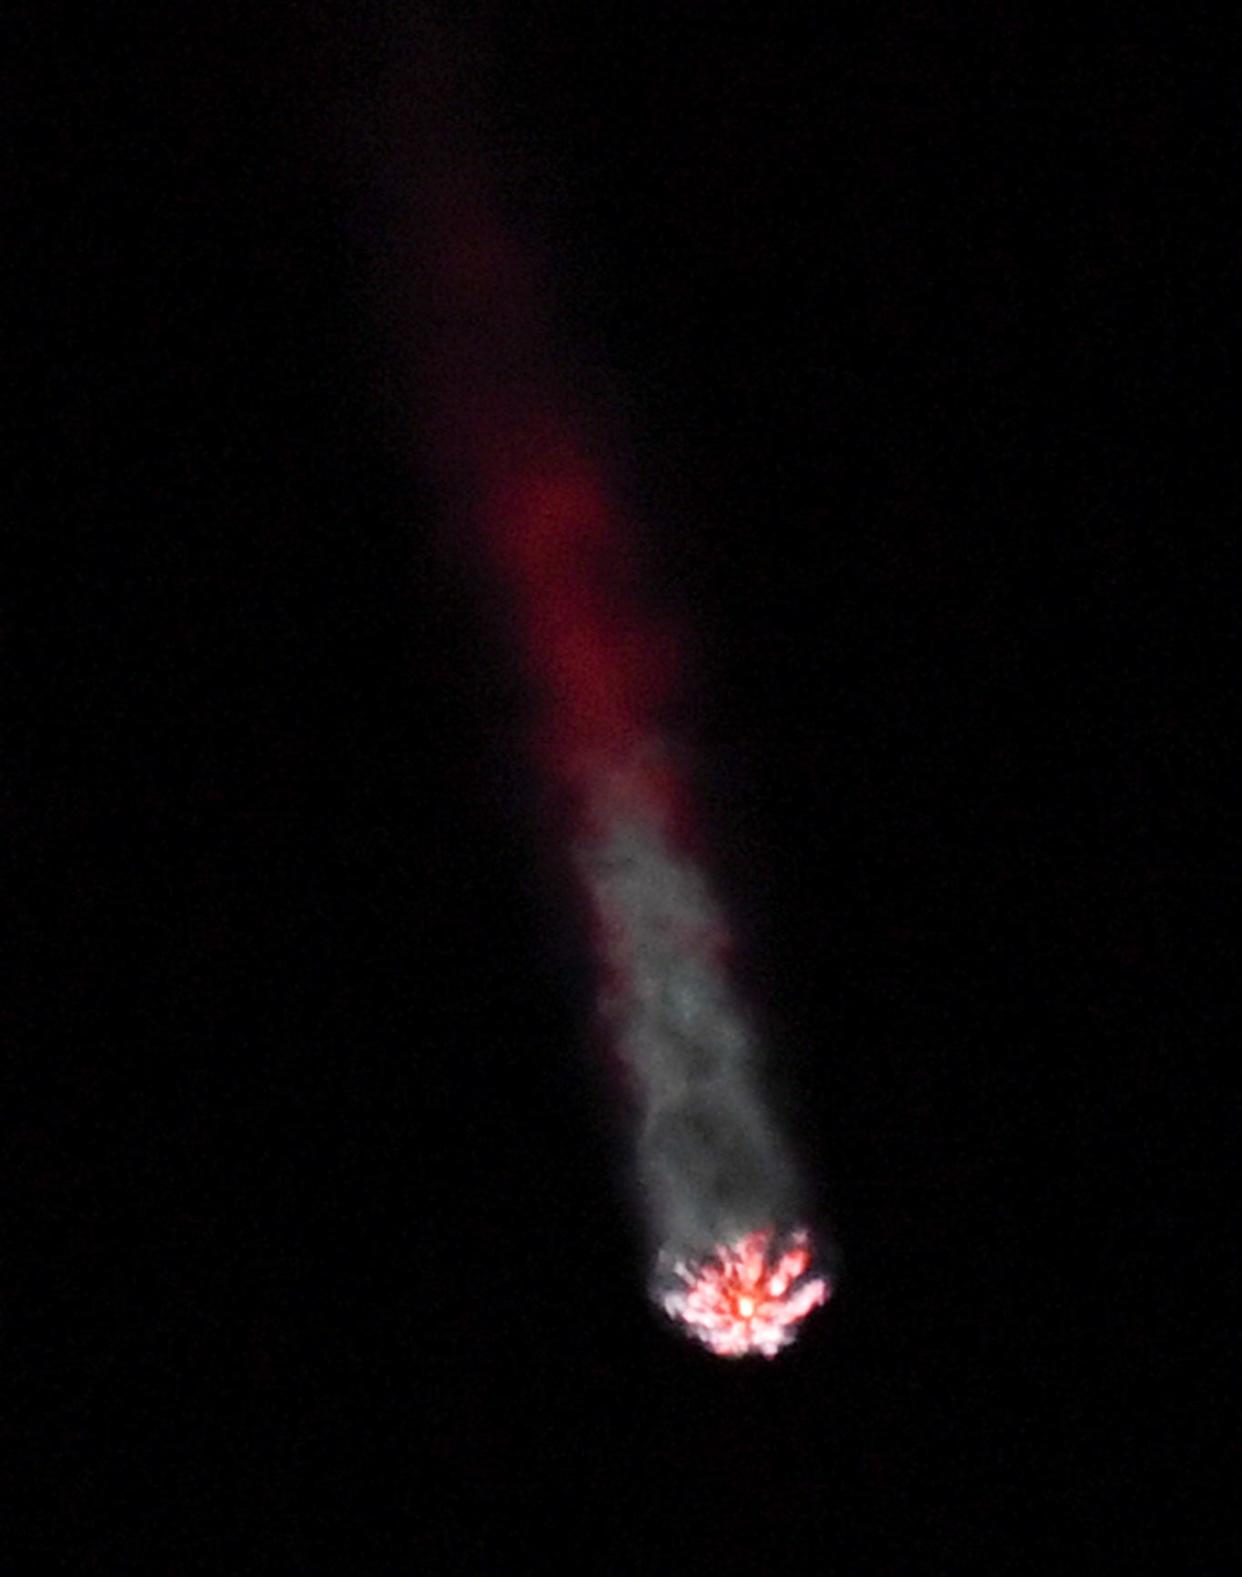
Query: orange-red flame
point(750, 1296)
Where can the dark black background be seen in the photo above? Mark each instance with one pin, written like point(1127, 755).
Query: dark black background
point(910, 317)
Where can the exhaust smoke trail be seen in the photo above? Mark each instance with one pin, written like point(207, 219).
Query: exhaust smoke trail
point(714, 1169)
point(733, 1262)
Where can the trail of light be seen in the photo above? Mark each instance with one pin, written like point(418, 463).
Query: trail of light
point(734, 1270)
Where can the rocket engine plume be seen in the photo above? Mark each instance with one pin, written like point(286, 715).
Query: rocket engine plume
point(749, 1297)
point(733, 1263)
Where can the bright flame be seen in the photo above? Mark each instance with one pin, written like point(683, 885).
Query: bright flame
point(747, 1298)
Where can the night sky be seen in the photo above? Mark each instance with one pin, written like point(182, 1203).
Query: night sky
point(906, 322)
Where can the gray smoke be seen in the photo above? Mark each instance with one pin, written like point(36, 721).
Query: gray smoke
point(709, 1158)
